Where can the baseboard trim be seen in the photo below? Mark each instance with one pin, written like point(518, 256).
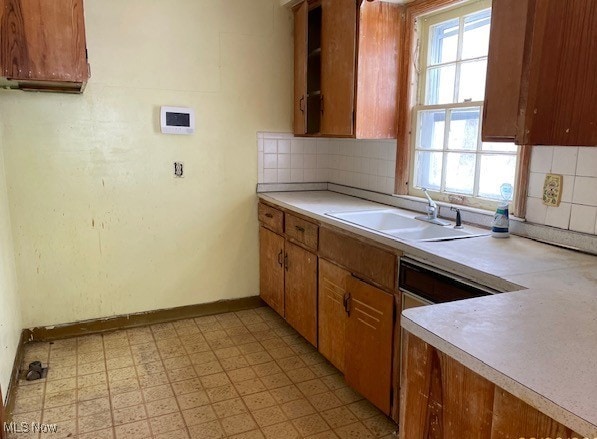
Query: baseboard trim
point(125, 321)
point(14, 378)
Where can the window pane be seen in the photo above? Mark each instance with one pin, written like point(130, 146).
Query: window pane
point(431, 129)
point(443, 42)
point(460, 173)
point(499, 146)
point(428, 170)
point(440, 85)
point(464, 129)
point(472, 81)
point(495, 170)
point(475, 38)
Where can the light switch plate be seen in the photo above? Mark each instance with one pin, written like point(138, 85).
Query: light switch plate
point(552, 190)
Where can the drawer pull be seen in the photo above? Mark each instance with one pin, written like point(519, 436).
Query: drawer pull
point(286, 261)
point(280, 258)
point(269, 215)
point(300, 229)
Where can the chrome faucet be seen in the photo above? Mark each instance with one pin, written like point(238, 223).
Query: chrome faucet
point(432, 210)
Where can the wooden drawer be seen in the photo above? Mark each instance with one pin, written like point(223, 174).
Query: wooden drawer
point(302, 231)
point(371, 262)
point(271, 218)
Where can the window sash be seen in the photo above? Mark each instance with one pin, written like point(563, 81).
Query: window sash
point(426, 65)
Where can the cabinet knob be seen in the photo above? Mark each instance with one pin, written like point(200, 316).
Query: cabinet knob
point(269, 215)
point(300, 229)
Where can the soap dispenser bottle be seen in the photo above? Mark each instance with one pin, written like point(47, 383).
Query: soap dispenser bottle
point(500, 226)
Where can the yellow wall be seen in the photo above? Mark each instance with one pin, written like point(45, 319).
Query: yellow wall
point(100, 225)
point(10, 312)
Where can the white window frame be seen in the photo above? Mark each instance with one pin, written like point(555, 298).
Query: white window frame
point(425, 23)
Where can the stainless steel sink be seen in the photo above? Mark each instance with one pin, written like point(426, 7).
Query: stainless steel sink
point(391, 223)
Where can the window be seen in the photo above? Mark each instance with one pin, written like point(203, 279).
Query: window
point(448, 155)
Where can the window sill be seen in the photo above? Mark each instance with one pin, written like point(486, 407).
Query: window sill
point(476, 216)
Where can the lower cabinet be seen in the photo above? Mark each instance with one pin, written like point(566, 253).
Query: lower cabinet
point(271, 269)
point(356, 322)
point(441, 398)
point(301, 291)
point(288, 282)
point(369, 334)
point(317, 278)
point(332, 313)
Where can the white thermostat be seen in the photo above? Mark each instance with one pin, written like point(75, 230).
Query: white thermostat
point(177, 120)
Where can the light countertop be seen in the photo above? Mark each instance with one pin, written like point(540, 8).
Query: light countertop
point(540, 343)
point(503, 264)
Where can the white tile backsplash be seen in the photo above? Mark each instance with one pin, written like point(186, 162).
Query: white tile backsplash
point(558, 216)
point(536, 210)
point(536, 180)
point(370, 165)
point(564, 160)
point(587, 162)
point(582, 218)
point(363, 164)
point(585, 191)
point(541, 159)
point(270, 146)
point(284, 146)
point(270, 161)
point(567, 188)
point(578, 209)
point(283, 161)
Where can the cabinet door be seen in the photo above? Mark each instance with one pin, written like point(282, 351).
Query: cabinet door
point(504, 69)
point(271, 269)
point(301, 291)
point(43, 40)
point(332, 315)
point(338, 43)
point(300, 67)
point(562, 93)
point(369, 334)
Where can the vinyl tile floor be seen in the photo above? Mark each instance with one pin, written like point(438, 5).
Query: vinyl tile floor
point(240, 375)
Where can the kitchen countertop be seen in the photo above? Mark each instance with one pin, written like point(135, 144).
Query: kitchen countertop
point(508, 264)
point(540, 343)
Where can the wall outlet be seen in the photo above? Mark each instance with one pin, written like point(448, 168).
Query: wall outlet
point(178, 169)
point(552, 190)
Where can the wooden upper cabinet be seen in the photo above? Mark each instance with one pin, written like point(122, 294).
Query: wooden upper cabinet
point(504, 69)
point(542, 65)
point(42, 44)
point(346, 68)
point(381, 25)
point(300, 68)
point(338, 48)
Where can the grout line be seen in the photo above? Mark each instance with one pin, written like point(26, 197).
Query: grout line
point(155, 341)
point(107, 385)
